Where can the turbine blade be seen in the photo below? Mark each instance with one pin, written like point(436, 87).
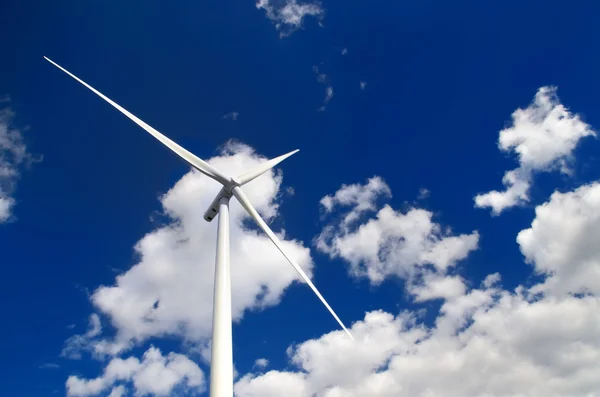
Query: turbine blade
point(262, 168)
point(241, 196)
point(189, 157)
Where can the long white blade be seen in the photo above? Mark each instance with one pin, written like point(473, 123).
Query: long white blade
point(239, 194)
point(262, 168)
point(192, 159)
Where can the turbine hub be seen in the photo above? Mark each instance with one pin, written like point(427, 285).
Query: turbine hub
point(233, 182)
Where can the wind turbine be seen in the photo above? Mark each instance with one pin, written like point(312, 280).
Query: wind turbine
point(221, 368)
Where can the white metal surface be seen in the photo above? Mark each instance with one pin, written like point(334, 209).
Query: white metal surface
point(213, 209)
point(262, 168)
point(221, 367)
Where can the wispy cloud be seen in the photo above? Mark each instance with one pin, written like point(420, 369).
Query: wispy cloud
point(324, 79)
point(423, 193)
point(363, 85)
point(288, 15)
point(328, 94)
point(76, 344)
point(13, 156)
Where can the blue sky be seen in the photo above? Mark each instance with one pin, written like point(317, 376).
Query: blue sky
point(406, 115)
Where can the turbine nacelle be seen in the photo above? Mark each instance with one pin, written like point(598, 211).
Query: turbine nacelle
point(227, 189)
point(213, 209)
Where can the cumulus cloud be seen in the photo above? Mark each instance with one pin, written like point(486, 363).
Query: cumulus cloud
point(489, 342)
point(170, 290)
point(533, 341)
point(543, 136)
point(562, 242)
point(392, 243)
point(155, 374)
point(288, 15)
point(13, 156)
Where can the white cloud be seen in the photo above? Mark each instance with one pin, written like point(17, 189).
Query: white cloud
point(13, 156)
point(543, 136)
point(361, 197)
point(154, 375)
point(436, 286)
point(534, 341)
point(328, 94)
point(408, 245)
point(487, 342)
point(344, 51)
point(170, 290)
point(288, 15)
point(562, 242)
point(118, 391)
point(261, 363)
point(423, 193)
point(363, 85)
point(158, 375)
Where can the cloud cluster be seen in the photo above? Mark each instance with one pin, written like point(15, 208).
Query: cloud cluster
point(543, 136)
point(538, 340)
point(170, 290)
point(155, 374)
point(534, 341)
point(288, 15)
point(13, 156)
point(489, 342)
point(392, 243)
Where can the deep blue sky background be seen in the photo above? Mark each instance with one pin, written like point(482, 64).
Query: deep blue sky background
point(442, 79)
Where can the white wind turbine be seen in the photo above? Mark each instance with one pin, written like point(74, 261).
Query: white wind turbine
point(221, 371)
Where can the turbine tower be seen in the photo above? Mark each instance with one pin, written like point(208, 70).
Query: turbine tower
point(221, 367)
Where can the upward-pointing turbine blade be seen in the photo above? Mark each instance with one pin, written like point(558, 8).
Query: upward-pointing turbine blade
point(190, 158)
point(241, 196)
point(262, 168)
